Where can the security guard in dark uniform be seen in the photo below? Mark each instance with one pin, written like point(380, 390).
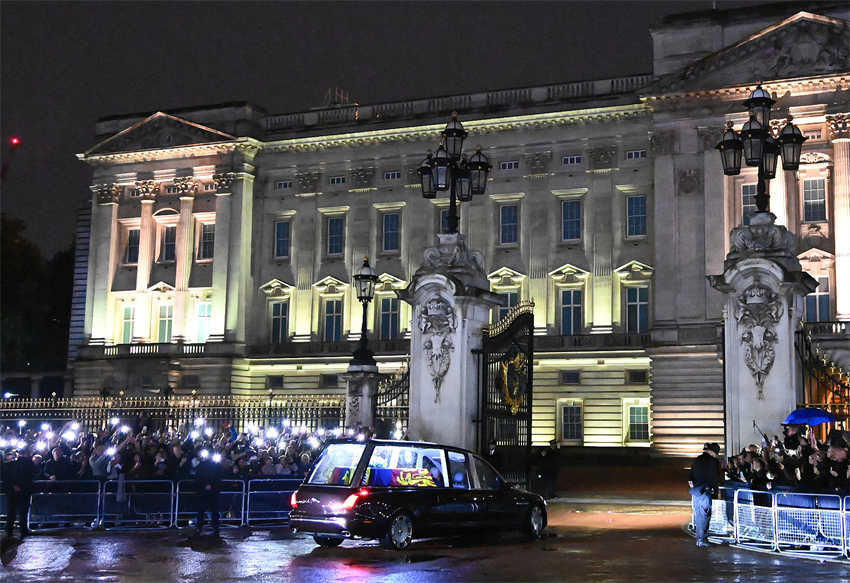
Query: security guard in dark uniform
point(703, 478)
point(208, 484)
point(18, 485)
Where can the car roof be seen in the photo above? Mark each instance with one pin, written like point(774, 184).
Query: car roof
point(399, 442)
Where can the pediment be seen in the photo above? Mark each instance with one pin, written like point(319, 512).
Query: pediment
point(635, 271)
point(803, 45)
point(815, 255)
point(159, 131)
point(505, 277)
point(330, 285)
point(388, 282)
point(568, 273)
point(161, 287)
point(276, 288)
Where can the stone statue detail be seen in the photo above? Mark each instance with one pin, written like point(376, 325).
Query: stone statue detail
point(759, 311)
point(437, 322)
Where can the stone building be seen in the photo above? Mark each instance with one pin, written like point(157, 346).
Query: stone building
point(223, 239)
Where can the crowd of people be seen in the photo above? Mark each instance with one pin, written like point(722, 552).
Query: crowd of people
point(797, 461)
point(134, 451)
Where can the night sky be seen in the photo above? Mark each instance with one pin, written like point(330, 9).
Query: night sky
point(64, 65)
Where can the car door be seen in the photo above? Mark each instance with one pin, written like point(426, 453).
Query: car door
point(461, 495)
point(497, 507)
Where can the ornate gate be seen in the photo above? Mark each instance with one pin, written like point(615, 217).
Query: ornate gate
point(506, 379)
point(392, 404)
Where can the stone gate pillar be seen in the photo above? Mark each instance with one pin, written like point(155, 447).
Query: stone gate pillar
point(451, 304)
point(362, 385)
point(764, 287)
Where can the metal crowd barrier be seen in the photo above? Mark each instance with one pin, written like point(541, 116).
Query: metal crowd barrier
point(137, 504)
point(268, 500)
point(61, 504)
point(231, 503)
point(809, 524)
point(721, 527)
point(755, 519)
point(847, 526)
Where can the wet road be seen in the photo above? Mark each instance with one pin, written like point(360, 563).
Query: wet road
point(587, 543)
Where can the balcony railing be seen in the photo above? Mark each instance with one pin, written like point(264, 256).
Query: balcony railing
point(153, 350)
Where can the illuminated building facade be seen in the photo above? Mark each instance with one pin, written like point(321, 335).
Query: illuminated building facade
point(223, 239)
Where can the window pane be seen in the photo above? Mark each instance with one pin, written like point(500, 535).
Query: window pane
point(204, 314)
point(333, 320)
point(508, 218)
point(511, 299)
point(336, 235)
point(391, 232)
point(748, 202)
point(488, 479)
point(207, 246)
point(389, 318)
point(571, 219)
point(636, 211)
point(127, 324)
point(281, 239)
point(411, 467)
point(280, 313)
point(132, 246)
point(814, 199)
point(336, 464)
point(459, 470)
point(166, 314)
point(638, 423)
point(169, 241)
point(572, 424)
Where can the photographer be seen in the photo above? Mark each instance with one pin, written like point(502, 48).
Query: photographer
point(702, 482)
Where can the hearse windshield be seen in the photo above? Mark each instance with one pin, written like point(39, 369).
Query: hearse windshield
point(336, 464)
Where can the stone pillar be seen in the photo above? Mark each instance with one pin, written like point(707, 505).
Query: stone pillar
point(147, 241)
point(102, 260)
point(451, 305)
point(185, 250)
point(223, 183)
point(839, 130)
point(764, 286)
point(362, 382)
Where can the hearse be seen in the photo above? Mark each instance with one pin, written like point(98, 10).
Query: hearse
point(396, 491)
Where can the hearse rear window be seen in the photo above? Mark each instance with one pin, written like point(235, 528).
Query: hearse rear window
point(403, 466)
point(336, 464)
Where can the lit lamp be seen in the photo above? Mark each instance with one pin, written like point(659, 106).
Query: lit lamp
point(449, 170)
point(759, 147)
point(364, 284)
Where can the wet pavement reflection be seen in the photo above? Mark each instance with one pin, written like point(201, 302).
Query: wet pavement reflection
point(596, 544)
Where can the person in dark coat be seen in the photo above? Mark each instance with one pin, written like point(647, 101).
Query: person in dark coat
point(208, 484)
point(18, 485)
point(703, 481)
point(494, 456)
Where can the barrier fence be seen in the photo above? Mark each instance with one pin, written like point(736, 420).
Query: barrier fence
point(801, 524)
point(153, 504)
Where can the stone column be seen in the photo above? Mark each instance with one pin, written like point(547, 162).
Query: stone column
point(362, 383)
point(184, 245)
point(147, 242)
point(223, 184)
point(451, 305)
point(839, 130)
point(764, 286)
point(102, 261)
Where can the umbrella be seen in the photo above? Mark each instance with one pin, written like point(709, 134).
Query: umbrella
point(809, 416)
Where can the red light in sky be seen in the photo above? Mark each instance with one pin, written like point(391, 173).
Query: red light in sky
point(15, 140)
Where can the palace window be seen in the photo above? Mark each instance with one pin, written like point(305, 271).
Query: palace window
point(283, 185)
point(392, 175)
point(209, 186)
point(333, 320)
point(279, 317)
point(169, 243)
point(636, 377)
point(389, 318)
point(748, 202)
point(570, 377)
point(637, 309)
point(814, 200)
point(206, 247)
point(813, 134)
point(571, 420)
point(509, 165)
point(444, 220)
point(274, 382)
point(509, 224)
point(511, 299)
point(336, 235)
point(281, 239)
point(571, 319)
point(638, 423)
point(337, 180)
point(572, 160)
point(166, 319)
point(391, 231)
point(817, 302)
point(204, 319)
point(635, 154)
point(132, 253)
point(571, 220)
point(128, 316)
point(636, 216)
point(172, 190)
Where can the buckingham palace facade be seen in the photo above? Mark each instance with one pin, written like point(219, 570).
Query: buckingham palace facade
point(217, 249)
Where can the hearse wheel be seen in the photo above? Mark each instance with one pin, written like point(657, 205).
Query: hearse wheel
point(535, 522)
point(399, 532)
point(327, 541)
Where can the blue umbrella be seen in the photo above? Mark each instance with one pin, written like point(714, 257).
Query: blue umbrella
point(809, 416)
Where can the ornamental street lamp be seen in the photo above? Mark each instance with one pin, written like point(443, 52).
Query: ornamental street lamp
point(364, 285)
point(449, 169)
point(759, 147)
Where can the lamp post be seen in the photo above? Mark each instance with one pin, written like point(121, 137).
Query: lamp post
point(364, 284)
point(449, 169)
point(760, 145)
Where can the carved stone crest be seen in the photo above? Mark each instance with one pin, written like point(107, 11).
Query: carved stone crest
point(437, 323)
point(601, 158)
point(453, 256)
point(759, 311)
point(760, 235)
point(839, 126)
point(363, 177)
point(106, 193)
point(689, 181)
point(538, 163)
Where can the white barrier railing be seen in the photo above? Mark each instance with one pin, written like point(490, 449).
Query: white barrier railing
point(809, 523)
point(60, 504)
point(231, 503)
point(268, 500)
point(137, 504)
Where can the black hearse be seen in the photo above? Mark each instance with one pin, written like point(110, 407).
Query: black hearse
point(399, 490)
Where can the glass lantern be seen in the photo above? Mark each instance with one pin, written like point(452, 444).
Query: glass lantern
point(791, 143)
point(760, 104)
point(479, 169)
point(752, 137)
point(364, 281)
point(453, 137)
point(426, 176)
point(730, 148)
point(442, 169)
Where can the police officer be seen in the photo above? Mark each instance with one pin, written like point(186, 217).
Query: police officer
point(702, 481)
point(17, 484)
point(208, 484)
